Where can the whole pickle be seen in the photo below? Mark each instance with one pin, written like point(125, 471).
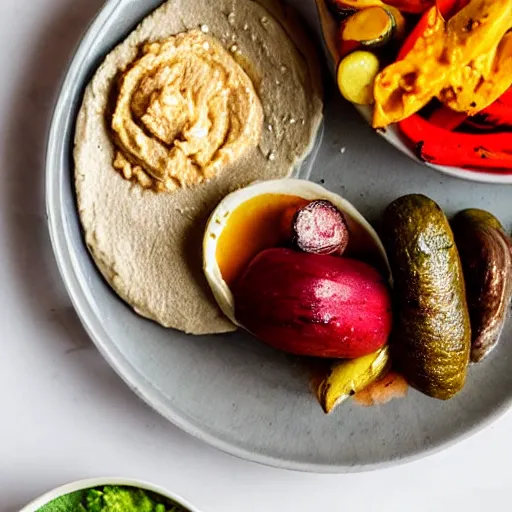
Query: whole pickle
point(486, 254)
point(432, 336)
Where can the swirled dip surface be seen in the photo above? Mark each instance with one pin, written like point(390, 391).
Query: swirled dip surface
point(185, 110)
point(267, 101)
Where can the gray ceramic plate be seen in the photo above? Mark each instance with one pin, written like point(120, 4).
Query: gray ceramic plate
point(231, 391)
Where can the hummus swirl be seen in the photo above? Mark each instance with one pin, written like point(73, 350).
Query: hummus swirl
point(185, 110)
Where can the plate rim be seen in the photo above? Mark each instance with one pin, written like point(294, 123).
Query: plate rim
point(66, 263)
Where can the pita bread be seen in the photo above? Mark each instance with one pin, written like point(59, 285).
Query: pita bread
point(148, 245)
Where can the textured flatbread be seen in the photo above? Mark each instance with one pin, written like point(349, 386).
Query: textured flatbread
point(148, 245)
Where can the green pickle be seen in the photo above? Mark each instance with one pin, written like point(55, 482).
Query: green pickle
point(431, 339)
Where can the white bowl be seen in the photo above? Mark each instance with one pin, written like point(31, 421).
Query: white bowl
point(80, 485)
point(391, 133)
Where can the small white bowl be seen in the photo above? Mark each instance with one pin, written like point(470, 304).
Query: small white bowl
point(304, 189)
point(80, 485)
point(391, 134)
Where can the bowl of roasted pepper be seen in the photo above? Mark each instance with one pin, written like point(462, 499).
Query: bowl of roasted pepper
point(434, 77)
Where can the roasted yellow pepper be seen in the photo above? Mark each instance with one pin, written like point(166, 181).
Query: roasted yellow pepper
point(404, 87)
point(439, 56)
point(478, 84)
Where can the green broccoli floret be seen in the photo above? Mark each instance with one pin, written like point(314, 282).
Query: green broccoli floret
point(67, 503)
point(111, 498)
point(94, 500)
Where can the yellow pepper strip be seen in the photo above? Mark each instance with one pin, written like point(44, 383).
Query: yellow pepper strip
point(404, 87)
point(478, 27)
point(477, 85)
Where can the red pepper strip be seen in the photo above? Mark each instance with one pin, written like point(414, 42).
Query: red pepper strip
point(499, 113)
point(346, 47)
point(446, 118)
point(449, 8)
point(412, 6)
point(477, 124)
point(416, 33)
point(443, 147)
point(506, 97)
point(505, 100)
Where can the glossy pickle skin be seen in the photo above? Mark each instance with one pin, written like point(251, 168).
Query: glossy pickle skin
point(431, 338)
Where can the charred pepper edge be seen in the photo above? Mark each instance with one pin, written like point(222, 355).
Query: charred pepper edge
point(436, 145)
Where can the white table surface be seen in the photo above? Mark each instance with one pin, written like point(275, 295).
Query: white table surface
point(65, 415)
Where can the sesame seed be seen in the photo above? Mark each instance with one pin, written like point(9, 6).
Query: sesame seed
point(205, 29)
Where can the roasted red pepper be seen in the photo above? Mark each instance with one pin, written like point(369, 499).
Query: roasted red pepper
point(346, 47)
point(412, 6)
point(506, 98)
point(434, 140)
point(499, 114)
point(449, 8)
point(443, 147)
point(415, 34)
point(446, 118)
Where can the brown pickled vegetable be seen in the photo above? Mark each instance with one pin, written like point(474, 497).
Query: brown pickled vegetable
point(320, 228)
point(486, 254)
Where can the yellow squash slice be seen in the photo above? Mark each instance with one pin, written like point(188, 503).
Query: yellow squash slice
point(356, 75)
point(370, 27)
